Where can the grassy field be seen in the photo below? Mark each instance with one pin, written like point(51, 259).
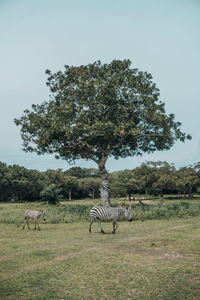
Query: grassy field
point(76, 211)
point(154, 259)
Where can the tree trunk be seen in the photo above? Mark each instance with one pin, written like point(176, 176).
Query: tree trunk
point(69, 195)
point(190, 194)
point(104, 186)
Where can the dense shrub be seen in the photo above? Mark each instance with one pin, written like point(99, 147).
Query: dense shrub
point(51, 194)
point(147, 212)
point(68, 213)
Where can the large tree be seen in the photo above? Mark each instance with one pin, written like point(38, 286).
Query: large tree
point(187, 180)
point(98, 111)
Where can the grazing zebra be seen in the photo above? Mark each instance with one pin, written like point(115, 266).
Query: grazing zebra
point(34, 214)
point(109, 213)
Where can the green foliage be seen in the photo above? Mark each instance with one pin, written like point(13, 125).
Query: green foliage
point(69, 213)
point(187, 180)
point(151, 212)
point(99, 110)
point(79, 172)
point(51, 194)
point(92, 185)
point(18, 184)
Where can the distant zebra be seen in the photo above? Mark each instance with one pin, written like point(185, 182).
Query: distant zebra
point(109, 213)
point(34, 214)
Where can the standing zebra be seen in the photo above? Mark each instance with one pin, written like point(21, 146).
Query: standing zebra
point(109, 213)
point(34, 214)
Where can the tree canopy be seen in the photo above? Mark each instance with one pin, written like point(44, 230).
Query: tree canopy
point(151, 178)
point(97, 111)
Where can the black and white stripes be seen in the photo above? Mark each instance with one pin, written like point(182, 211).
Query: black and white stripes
point(102, 213)
point(34, 214)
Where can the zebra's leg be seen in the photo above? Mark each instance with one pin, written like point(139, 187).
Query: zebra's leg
point(28, 224)
point(35, 224)
point(99, 224)
point(38, 225)
point(90, 227)
point(25, 222)
point(115, 225)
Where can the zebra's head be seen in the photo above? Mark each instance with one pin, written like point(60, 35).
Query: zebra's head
point(44, 215)
point(128, 214)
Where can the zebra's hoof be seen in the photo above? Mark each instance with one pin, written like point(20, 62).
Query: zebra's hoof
point(113, 232)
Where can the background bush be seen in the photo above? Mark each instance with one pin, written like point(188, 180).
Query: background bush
point(69, 213)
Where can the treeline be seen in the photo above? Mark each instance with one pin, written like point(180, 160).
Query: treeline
point(151, 178)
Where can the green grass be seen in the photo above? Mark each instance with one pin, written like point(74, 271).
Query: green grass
point(75, 211)
point(154, 259)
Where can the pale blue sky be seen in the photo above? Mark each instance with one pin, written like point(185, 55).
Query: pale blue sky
point(159, 36)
